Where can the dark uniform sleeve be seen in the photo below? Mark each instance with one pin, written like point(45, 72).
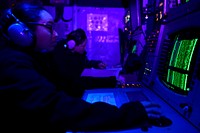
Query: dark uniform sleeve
point(91, 63)
point(67, 72)
point(31, 103)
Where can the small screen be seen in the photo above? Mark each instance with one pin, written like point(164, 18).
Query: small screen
point(101, 97)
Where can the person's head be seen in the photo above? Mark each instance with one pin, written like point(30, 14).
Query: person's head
point(80, 39)
point(29, 26)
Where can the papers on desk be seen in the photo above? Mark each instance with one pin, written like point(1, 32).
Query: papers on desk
point(101, 72)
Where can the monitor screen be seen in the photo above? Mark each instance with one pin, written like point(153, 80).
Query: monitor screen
point(179, 63)
point(101, 97)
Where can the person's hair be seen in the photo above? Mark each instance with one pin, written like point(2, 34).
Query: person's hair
point(78, 35)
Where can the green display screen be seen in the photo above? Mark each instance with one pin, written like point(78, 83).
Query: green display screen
point(178, 70)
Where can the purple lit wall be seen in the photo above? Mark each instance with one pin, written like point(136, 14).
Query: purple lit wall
point(101, 26)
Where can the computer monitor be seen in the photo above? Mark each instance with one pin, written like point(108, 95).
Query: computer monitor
point(180, 61)
point(176, 80)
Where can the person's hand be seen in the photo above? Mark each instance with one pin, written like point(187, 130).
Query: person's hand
point(153, 110)
point(102, 65)
point(121, 79)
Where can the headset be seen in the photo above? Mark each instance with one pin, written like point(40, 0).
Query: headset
point(70, 44)
point(15, 31)
point(75, 38)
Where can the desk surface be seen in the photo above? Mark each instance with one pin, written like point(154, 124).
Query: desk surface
point(118, 96)
point(101, 72)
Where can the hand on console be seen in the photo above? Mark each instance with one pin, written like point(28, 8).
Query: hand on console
point(155, 116)
point(153, 109)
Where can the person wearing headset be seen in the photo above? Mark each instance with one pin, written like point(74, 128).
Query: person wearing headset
point(70, 61)
point(30, 101)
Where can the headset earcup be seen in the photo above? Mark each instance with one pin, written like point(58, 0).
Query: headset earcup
point(71, 44)
point(20, 34)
